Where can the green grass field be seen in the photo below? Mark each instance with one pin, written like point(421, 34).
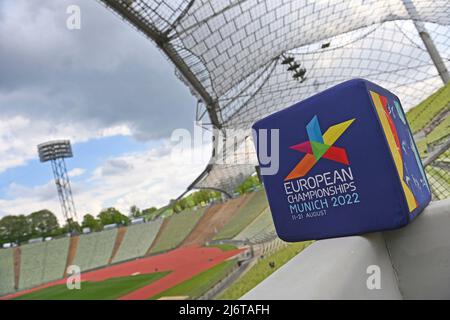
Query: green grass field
point(199, 284)
point(110, 289)
point(223, 247)
point(261, 270)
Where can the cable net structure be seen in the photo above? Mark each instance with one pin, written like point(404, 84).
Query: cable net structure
point(233, 53)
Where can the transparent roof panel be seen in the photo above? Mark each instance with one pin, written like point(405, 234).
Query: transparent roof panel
point(229, 52)
point(235, 38)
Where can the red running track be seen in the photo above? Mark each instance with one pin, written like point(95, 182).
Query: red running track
point(184, 263)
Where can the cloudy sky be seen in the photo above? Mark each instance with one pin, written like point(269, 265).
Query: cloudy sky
point(107, 89)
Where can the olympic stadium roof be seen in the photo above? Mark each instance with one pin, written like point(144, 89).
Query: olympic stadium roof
point(234, 56)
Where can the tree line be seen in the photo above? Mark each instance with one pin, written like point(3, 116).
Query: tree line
point(40, 224)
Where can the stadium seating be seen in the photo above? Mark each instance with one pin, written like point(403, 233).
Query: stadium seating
point(6, 271)
point(94, 250)
point(431, 116)
point(177, 229)
point(55, 259)
point(421, 115)
point(137, 240)
point(42, 262)
point(215, 218)
point(259, 230)
point(245, 215)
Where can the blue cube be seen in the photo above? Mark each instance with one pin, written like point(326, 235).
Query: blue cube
point(347, 164)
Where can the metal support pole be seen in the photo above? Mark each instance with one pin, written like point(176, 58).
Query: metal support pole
point(64, 190)
point(427, 41)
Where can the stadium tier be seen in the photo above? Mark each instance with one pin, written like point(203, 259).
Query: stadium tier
point(42, 262)
point(431, 120)
point(137, 240)
point(213, 221)
point(441, 131)
point(55, 259)
point(32, 265)
point(176, 230)
point(259, 230)
point(425, 112)
point(244, 215)
point(6, 271)
point(94, 250)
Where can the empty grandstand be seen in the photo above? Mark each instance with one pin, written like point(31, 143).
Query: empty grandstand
point(137, 240)
point(32, 265)
point(430, 122)
point(260, 230)
point(176, 230)
point(43, 262)
point(431, 109)
point(6, 271)
point(94, 250)
point(214, 219)
point(55, 259)
point(256, 203)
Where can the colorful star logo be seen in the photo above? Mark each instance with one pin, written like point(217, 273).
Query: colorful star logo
point(319, 146)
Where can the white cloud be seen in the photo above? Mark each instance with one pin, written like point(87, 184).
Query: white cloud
point(103, 80)
point(147, 178)
point(19, 136)
point(76, 172)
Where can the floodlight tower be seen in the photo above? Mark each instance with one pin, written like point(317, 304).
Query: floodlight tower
point(55, 152)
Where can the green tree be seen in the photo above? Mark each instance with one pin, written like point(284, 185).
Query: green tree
point(14, 229)
point(112, 215)
point(149, 210)
point(71, 226)
point(89, 221)
point(248, 184)
point(181, 205)
point(135, 212)
point(150, 213)
point(42, 223)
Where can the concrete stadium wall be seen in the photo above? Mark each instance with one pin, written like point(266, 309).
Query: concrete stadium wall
point(414, 263)
point(421, 254)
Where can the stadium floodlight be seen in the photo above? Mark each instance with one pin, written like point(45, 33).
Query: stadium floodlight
point(287, 60)
point(293, 67)
point(55, 152)
point(300, 73)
